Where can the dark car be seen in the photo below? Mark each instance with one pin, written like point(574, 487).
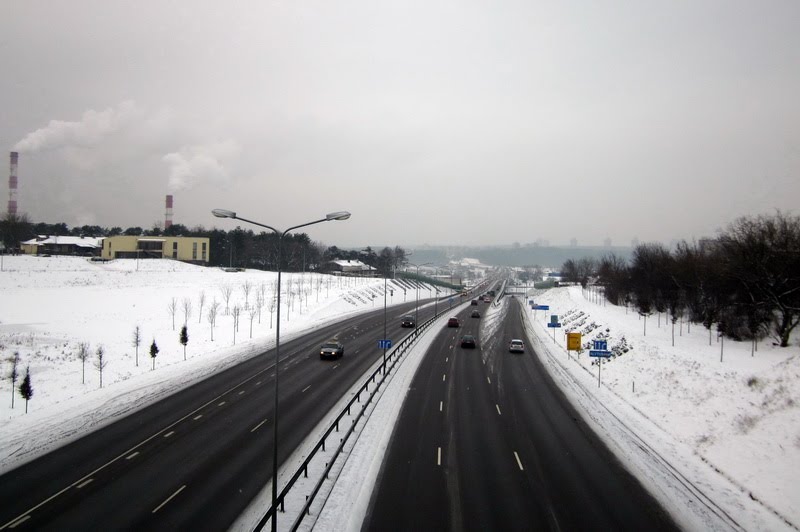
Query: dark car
point(453, 322)
point(475, 314)
point(468, 341)
point(474, 302)
point(407, 321)
point(331, 350)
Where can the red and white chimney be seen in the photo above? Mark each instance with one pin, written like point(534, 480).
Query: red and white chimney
point(168, 216)
point(12, 184)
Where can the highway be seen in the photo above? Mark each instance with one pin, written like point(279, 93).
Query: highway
point(486, 441)
point(196, 459)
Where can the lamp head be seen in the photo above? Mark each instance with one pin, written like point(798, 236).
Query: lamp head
point(340, 215)
point(223, 213)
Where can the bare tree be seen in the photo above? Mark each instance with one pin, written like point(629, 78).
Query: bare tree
point(172, 308)
point(202, 302)
point(83, 355)
point(100, 362)
point(271, 306)
point(259, 304)
point(187, 309)
point(26, 388)
point(212, 316)
point(236, 312)
point(252, 313)
point(227, 292)
point(246, 287)
point(137, 341)
point(14, 374)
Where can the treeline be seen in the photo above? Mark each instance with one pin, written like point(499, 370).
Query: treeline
point(238, 248)
point(745, 282)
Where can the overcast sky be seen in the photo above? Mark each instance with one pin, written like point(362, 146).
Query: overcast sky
point(439, 122)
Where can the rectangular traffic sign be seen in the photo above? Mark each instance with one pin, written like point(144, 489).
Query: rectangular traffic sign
point(601, 345)
point(384, 344)
point(554, 325)
point(573, 341)
point(601, 354)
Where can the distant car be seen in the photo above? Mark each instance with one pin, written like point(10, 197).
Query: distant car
point(453, 322)
point(516, 346)
point(486, 299)
point(407, 321)
point(468, 341)
point(331, 349)
point(474, 302)
point(475, 314)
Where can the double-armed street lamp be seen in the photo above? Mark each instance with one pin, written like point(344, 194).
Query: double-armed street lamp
point(222, 213)
point(416, 305)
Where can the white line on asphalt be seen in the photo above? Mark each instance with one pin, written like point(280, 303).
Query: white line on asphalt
point(20, 521)
point(259, 382)
point(447, 359)
point(306, 388)
point(336, 366)
point(240, 393)
point(198, 416)
point(444, 377)
point(519, 463)
point(85, 483)
point(169, 499)
point(168, 434)
point(498, 410)
point(439, 457)
point(222, 403)
point(257, 426)
point(130, 456)
point(488, 379)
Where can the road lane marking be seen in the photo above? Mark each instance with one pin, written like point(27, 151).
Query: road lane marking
point(169, 499)
point(498, 410)
point(222, 403)
point(198, 416)
point(257, 426)
point(130, 456)
point(20, 521)
point(519, 463)
point(444, 377)
point(257, 383)
point(439, 457)
point(306, 388)
point(240, 393)
point(447, 359)
point(168, 434)
point(336, 366)
point(85, 483)
point(488, 379)
point(440, 405)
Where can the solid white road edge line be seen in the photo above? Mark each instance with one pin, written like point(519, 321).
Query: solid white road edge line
point(169, 499)
point(519, 463)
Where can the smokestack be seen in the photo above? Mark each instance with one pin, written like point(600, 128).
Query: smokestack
point(12, 184)
point(168, 217)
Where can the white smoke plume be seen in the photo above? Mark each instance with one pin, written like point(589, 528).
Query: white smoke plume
point(201, 163)
point(93, 127)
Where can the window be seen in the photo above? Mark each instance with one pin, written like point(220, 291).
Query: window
point(204, 251)
point(175, 248)
point(194, 250)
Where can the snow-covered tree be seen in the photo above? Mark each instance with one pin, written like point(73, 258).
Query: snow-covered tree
point(212, 316)
point(186, 306)
point(172, 308)
point(246, 287)
point(227, 292)
point(201, 302)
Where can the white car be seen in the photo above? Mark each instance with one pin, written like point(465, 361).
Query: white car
point(516, 346)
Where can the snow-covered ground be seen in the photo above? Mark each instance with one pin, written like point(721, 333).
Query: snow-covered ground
point(718, 442)
point(50, 305)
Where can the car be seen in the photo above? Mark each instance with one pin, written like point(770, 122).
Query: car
point(475, 314)
point(486, 299)
point(453, 322)
point(332, 349)
point(407, 321)
point(468, 341)
point(474, 302)
point(516, 346)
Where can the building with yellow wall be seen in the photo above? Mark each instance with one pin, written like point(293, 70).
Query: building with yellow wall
point(184, 248)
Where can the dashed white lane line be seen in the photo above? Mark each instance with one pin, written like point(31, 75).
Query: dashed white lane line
point(84, 483)
point(440, 405)
point(19, 521)
point(259, 382)
point(169, 499)
point(439, 456)
point(240, 393)
point(220, 404)
point(257, 426)
point(446, 359)
point(519, 463)
point(498, 410)
point(198, 416)
point(444, 377)
point(131, 456)
point(306, 388)
point(168, 434)
point(336, 366)
point(489, 380)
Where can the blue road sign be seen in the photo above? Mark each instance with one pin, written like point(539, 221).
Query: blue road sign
point(601, 354)
point(601, 345)
point(542, 307)
point(553, 325)
point(384, 344)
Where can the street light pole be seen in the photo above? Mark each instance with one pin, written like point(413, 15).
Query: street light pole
point(222, 213)
point(416, 305)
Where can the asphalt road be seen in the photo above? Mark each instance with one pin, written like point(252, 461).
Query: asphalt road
point(196, 459)
point(486, 441)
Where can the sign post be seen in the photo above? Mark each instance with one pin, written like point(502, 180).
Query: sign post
point(601, 351)
point(553, 324)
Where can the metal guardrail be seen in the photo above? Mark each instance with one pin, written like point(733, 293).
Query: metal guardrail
point(394, 356)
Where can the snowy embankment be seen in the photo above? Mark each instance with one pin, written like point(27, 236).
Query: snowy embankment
point(717, 441)
point(50, 305)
